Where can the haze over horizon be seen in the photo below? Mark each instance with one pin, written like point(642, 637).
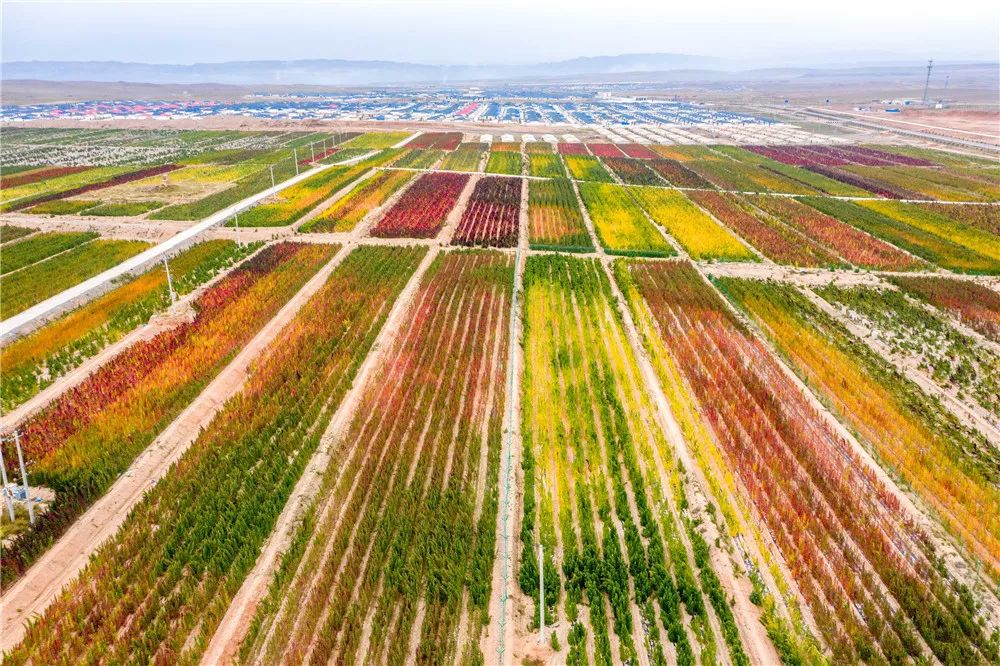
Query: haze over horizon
point(476, 33)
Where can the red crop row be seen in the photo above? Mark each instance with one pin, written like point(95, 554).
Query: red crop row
point(852, 244)
point(111, 182)
point(422, 209)
point(492, 214)
point(835, 156)
point(632, 171)
point(774, 241)
point(36, 175)
point(879, 187)
point(678, 175)
point(437, 140)
point(867, 573)
point(604, 150)
point(639, 151)
point(976, 305)
point(572, 149)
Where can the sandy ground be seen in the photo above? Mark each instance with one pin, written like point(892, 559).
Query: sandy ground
point(66, 558)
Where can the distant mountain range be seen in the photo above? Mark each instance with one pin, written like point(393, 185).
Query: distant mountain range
point(349, 72)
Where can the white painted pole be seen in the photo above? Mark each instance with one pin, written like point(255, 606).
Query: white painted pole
point(295, 153)
point(541, 595)
point(6, 493)
point(24, 478)
point(236, 219)
point(312, 149)
point(170, 282)
point(272, 176)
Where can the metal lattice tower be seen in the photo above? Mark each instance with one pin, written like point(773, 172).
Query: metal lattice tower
point(927, 83)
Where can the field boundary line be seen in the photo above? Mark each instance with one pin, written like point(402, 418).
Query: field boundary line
point(231, 630)
point(46, 578)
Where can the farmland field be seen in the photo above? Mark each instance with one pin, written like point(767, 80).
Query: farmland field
point(37, 282)
point(728, 397)
point(266, 433)
point(554, 217)
point(492, 214)
point(699, 235)
point(620, 224)
point(424, 448)
point(345, 213)
point(613, 567)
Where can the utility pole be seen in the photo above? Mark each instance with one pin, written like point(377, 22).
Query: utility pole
point(541, 594)
point(927, 83)
point(6, 493)
point(24, 478)
point(295, 153)
point(312, 149)
point(272, 176)
point(170, 283)
point(236, 219)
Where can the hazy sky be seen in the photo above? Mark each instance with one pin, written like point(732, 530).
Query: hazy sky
point(507, 31)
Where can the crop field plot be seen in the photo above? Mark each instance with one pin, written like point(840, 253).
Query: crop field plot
point(621, 226)
point(37, 360)
point(437, 141)
point(572, 149)
point(464, 158)
point(604, 150)
point(678, 175)
point(38, 281)
point(632, 171)
point(419, 159)
point(375, 140)
point(957, 363)
point(399, 558)
point(585, 167)
point(949, 466)
point(555, 222)
point(932, 183)
point(974, 305)
point(984, 216)
point(421, 211)
point(857, 247)
point(639, 151)
point(255, 448)
point(184, 185)
point(83, 440)
point(868, 575)
point(292, 203)
point(600, 488)
point(12, 232)
point(74, 184)
point(539, 148)
point(979, 241)
point(491, 216)
point(349, 210)
point(701, 237)
point(773, 239)
point(545, 165)
point(39, 247)
point(729, 174)
point(504, 162)
point(925, 244)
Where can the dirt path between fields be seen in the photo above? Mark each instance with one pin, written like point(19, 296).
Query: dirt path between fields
point(40, 585)
point(499, 639)
point(225, 643)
